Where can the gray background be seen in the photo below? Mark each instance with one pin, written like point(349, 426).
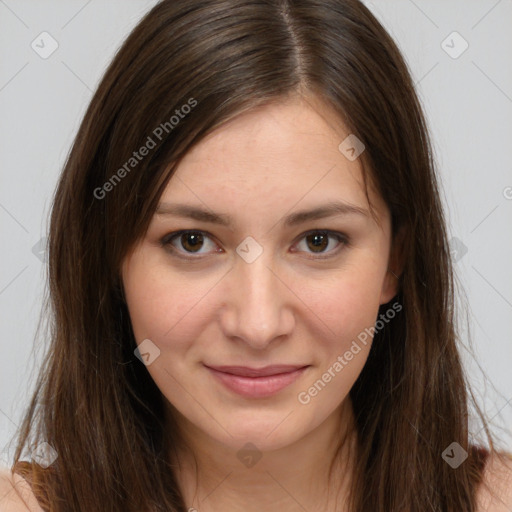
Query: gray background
point(467, 99)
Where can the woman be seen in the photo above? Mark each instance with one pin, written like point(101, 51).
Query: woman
point(251, 282)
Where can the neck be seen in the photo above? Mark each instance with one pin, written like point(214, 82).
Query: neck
point(214, 476)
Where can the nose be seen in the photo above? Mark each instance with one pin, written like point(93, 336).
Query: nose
point(260, 303)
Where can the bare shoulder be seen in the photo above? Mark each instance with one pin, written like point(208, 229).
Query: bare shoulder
point(15, 494)
point(495, 491)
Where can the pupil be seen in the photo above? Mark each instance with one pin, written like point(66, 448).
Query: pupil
point(196, 240)
point(317, 242)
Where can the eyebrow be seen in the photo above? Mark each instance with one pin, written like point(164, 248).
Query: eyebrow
point(330, 209)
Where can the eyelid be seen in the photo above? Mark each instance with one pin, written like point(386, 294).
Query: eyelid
point(165, 242)
point(343, 240)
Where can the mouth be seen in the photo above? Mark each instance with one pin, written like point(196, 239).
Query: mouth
point(257, 382)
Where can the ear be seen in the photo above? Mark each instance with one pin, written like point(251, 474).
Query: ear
point(390, 285)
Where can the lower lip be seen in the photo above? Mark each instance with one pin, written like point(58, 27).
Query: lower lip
point(257, 387)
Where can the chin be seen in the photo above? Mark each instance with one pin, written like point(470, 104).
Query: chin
point(271, 434)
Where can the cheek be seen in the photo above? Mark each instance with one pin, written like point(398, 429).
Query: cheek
point(343, 305)
point(173, 308)
point(160, 304)
point(166, 308)
point(346, 311)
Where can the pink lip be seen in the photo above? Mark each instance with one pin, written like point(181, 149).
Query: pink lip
point(257, 383)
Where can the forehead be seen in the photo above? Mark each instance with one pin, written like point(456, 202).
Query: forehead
point(280, 156)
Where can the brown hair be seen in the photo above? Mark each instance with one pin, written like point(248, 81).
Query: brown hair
point(95, 403)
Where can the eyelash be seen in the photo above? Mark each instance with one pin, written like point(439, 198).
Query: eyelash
point(166, 242)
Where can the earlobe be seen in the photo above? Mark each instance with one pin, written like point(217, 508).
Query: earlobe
point(390, 287)
point(391, 284)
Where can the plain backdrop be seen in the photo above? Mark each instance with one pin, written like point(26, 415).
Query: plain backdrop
point(458, 52)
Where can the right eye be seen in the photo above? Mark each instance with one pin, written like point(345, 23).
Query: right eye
point(191, 242)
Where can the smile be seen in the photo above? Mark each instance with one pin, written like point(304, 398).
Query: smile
point(244, 382)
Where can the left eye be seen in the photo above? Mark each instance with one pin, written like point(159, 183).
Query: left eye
point(193, 241)
point(319, 240)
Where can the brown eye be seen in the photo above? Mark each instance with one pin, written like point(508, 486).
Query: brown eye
point(191, 241)
point(183, 243)
point(318, 242)
point(188, 242)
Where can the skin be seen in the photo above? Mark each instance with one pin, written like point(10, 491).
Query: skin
point(285, 307)
point(281, 308)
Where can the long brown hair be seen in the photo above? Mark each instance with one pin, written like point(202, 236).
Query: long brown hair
point(95, 403)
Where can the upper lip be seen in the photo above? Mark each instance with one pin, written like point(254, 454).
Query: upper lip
point(245, 371)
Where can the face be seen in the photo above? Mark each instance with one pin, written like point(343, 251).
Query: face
point(249, 283)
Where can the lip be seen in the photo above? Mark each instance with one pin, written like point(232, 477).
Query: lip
point(257, 382)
